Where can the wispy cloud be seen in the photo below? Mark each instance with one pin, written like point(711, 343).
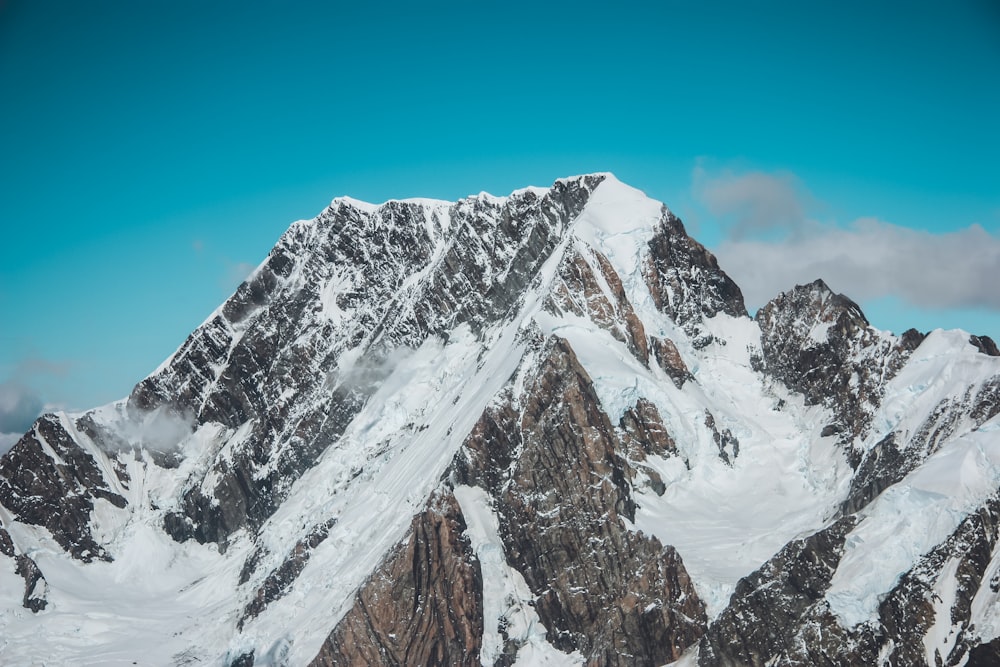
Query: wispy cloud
point(870, 259)
point(161, 429)
point(236, 273)
point(753, 202)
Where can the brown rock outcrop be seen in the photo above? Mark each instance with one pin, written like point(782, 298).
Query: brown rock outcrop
point(422, 606)
point(552, 461)
point(578, 290)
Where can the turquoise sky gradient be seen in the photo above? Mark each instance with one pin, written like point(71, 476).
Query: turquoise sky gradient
point(150, 152)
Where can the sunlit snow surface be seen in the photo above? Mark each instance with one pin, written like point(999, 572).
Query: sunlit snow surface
point(913, 516)
point(166, 603)
point(724, 521)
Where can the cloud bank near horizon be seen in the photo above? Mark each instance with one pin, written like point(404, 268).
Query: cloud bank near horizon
point(772, 244)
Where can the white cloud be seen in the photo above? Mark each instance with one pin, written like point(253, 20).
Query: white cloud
point(871, 259)
point(161, 429)
point(772, 244)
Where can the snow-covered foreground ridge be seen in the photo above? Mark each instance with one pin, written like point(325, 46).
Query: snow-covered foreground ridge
point(534, 429)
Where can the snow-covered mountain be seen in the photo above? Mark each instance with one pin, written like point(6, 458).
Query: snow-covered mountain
point(536, 429)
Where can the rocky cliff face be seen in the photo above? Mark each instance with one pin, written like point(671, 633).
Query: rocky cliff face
point(533, 429)
point(422, 606)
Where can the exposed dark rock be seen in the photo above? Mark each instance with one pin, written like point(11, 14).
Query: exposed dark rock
point(882, 466)
point(647, 434)
point(58, 490)
point(890, 460)
point(644, 434)
point(820, 344)
point(578, 290)
point(6, 544)
point(275, 377)
point(985, 655)
point(986, 404)
point(686, 281)
point(422, 605)
point(495, 253)
point(27, 569)
point(778, 615)
point(34, 584)
point(728, 444)
point(554, 466)
point(669, 359)
point(635, 333)
point(243, 660)
point(765, 618)
point(908, 612)
point(276, 583)
point(985, 345)
point(492, 251)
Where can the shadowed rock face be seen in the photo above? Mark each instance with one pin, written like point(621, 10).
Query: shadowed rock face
point(55, 493)
point(27, 569)
point(275, 335)
point(280, 579)
point(422, 605)
point(894, 456)
point(821, 345)
point(686, 282)
point(578, 290)
point(778, 615)
point(553, 463)
point(767, 612)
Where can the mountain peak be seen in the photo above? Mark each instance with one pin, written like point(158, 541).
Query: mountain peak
point(821, 344)
point(531, 428)
point(816, 307)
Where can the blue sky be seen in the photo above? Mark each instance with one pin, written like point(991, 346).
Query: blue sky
point(153, 151)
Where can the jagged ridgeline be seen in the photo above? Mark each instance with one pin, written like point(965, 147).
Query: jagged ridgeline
point(522, 430)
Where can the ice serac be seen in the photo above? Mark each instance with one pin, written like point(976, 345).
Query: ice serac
point(532, 429)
